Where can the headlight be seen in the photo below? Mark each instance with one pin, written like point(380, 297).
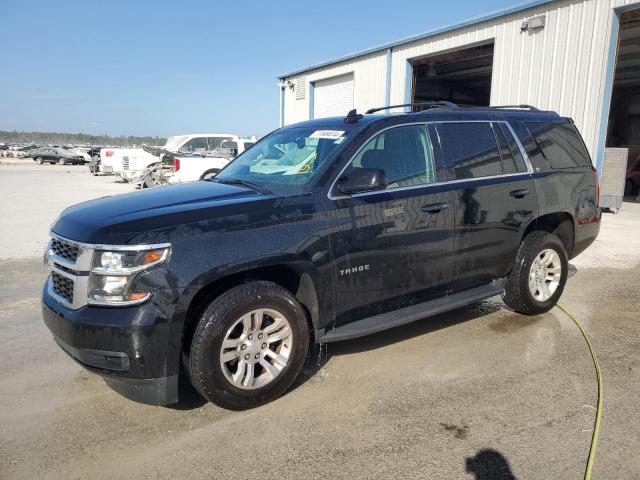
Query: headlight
point(113, 273)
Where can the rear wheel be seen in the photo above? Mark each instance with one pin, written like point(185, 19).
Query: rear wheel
point(249, 346)
point(209, 174)
point(538, 276)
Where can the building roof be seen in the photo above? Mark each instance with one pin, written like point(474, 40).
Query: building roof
point(430, 33)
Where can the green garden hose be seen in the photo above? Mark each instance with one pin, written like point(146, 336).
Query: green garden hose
point(596, 424)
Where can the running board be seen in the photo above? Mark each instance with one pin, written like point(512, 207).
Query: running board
point(410, 314)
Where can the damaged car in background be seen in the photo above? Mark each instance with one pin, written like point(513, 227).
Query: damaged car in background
point(181, 167)
point(130, 163)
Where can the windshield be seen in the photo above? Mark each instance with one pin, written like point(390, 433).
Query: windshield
point(285, 162)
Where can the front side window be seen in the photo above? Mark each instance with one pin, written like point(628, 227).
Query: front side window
point(403, 153)
point(198, 144)
point(470, 149)
point(286, 161)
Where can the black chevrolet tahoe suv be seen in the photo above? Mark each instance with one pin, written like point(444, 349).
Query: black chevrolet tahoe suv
point(324, 230)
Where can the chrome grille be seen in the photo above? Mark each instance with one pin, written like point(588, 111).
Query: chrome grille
point(62, 286)
point(65, 249)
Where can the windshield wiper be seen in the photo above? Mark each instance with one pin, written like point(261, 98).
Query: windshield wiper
point(243, 183)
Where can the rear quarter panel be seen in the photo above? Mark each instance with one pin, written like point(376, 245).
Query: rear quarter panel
point(569, 190)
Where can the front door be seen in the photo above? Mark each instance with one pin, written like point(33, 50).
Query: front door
point(392, 248)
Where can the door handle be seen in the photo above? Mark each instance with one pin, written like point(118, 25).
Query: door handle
point(435, 207)
point(519, 193)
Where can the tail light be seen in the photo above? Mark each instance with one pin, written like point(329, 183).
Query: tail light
point(597, 179)
point(176, 164)
point(108, 153)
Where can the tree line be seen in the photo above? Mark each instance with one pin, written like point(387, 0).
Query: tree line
point(55, 138)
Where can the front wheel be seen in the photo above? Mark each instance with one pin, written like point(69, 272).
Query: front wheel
point(39, 161)
point(538, 276)
point(249, 346)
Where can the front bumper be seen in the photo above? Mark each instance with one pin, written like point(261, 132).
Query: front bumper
point(129, 175)
point(129, 347)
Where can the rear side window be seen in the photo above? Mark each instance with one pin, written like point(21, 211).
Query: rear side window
point(198, 144)
point(215, 142)
point(470, 148)
point(512, 147)
point(561, 144)
point(508, 162)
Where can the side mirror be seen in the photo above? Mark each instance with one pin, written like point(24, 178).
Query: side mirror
point(361, 180)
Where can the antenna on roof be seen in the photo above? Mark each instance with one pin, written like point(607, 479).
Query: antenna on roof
point(352, 117)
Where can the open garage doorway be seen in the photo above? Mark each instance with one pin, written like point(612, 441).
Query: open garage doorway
point(624, 114)
point(462, 76)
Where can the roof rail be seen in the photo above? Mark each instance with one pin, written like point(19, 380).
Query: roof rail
point(522, 107)
point(441, 104)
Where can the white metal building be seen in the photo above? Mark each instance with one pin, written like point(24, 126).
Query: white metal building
point(571, 56)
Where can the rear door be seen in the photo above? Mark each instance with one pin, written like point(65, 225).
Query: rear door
point(494, 198)
point(392, 248)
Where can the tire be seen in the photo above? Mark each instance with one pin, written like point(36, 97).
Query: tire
point(209, 174)
point(224, 316)
point(62, 161)
point(39, 161)
point(148, 182)
point(518, 293)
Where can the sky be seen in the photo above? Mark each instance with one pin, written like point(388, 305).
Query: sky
point(155, 67)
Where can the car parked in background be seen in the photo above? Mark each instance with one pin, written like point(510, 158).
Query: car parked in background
point(130, 163)
point(56, 155)
point(117, 161)
point(18, 150)
point(191, 167)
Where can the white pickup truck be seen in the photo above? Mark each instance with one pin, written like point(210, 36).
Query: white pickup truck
point(188, 168)
point(129, 163)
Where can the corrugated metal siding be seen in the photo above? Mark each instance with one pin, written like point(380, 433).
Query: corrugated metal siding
point(561, 67)
point(369, 85)
point(333, 96)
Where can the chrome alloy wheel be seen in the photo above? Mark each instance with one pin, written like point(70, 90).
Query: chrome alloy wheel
point(544, 276)
point(256, 348)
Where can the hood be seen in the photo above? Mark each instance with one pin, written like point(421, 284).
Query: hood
point(117, 219)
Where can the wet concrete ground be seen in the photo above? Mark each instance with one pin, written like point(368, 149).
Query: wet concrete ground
point(475, 393)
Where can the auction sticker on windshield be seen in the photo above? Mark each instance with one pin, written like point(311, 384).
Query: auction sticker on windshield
point(333, 134)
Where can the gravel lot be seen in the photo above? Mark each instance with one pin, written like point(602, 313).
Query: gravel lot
point(474, 393)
